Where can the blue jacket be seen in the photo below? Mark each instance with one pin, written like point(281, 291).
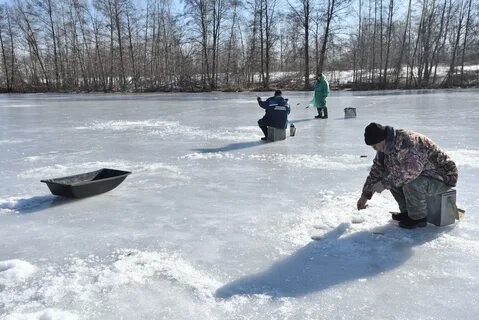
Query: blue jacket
point(277, 110)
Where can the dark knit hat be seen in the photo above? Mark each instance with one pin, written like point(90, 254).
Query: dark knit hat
point(374, 133)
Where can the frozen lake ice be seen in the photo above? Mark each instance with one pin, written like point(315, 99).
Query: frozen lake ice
point(214, 223)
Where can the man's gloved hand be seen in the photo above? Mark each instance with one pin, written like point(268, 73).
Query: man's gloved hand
point(378, 187)
point(362, 203)
point(258, 98)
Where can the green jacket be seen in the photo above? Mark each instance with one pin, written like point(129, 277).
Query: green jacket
point(321, 91)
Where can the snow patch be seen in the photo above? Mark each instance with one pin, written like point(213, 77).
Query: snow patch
point(91, 279)
point(357, 219)
point(124, 125)
point(47, 314)
point(174, 128)
point(343, 162)
point(222, 134)
point(13, 205)
point(57, 170)
point(158, 167)
point(53, 155)
point(15, 271)
point(210, 155)
point(237, 134)
point(135, 266)
point(32, 158)
point(52, 171)
point(20, 105)
point(12, 141)
point(465, 158)
point(317, 219)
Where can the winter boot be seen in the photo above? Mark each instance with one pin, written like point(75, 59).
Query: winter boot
point(399, 216)
point(325, 113)
point(409, 223)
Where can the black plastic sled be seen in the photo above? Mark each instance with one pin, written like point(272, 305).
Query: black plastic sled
point(86, 184)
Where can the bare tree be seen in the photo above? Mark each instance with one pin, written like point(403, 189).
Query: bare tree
point(25, 20)
point(139, 45)
point(329, 17)
point(464, 43)
point(231, 38)
point(265, 21)
point(460, 19)
point(130, 20)
point(303, 14)
point(403, 44)
point(199, 11)
point(333, 10)
point(388, 43)
point(2, 47)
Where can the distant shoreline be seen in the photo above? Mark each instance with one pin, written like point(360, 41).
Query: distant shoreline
point(333, 89)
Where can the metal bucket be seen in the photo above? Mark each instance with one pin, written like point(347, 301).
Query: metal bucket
point(442, 208)
point(349, 113)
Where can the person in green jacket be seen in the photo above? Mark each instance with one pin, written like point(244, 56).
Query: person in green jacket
point(321, 91)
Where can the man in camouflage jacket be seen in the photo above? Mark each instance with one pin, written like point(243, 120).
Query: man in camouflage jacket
point(411, 166)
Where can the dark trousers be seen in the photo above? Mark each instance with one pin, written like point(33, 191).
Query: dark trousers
point(411, 197)
point(323, 113)
point(264, 126)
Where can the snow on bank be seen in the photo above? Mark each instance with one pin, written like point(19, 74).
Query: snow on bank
point(347, 76)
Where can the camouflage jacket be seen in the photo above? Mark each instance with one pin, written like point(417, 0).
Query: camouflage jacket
point(408, 155)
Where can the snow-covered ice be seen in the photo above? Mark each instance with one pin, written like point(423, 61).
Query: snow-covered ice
point(214, 223)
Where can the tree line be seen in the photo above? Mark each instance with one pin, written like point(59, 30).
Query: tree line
point(202, 45)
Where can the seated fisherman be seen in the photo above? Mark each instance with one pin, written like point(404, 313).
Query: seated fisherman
point(276, 113)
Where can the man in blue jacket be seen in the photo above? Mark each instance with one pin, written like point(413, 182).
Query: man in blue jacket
point(276, 113)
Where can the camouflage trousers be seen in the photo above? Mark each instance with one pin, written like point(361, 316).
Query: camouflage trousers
point(411, 197)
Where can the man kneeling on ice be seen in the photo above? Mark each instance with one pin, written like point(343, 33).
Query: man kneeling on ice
point(411, 166)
